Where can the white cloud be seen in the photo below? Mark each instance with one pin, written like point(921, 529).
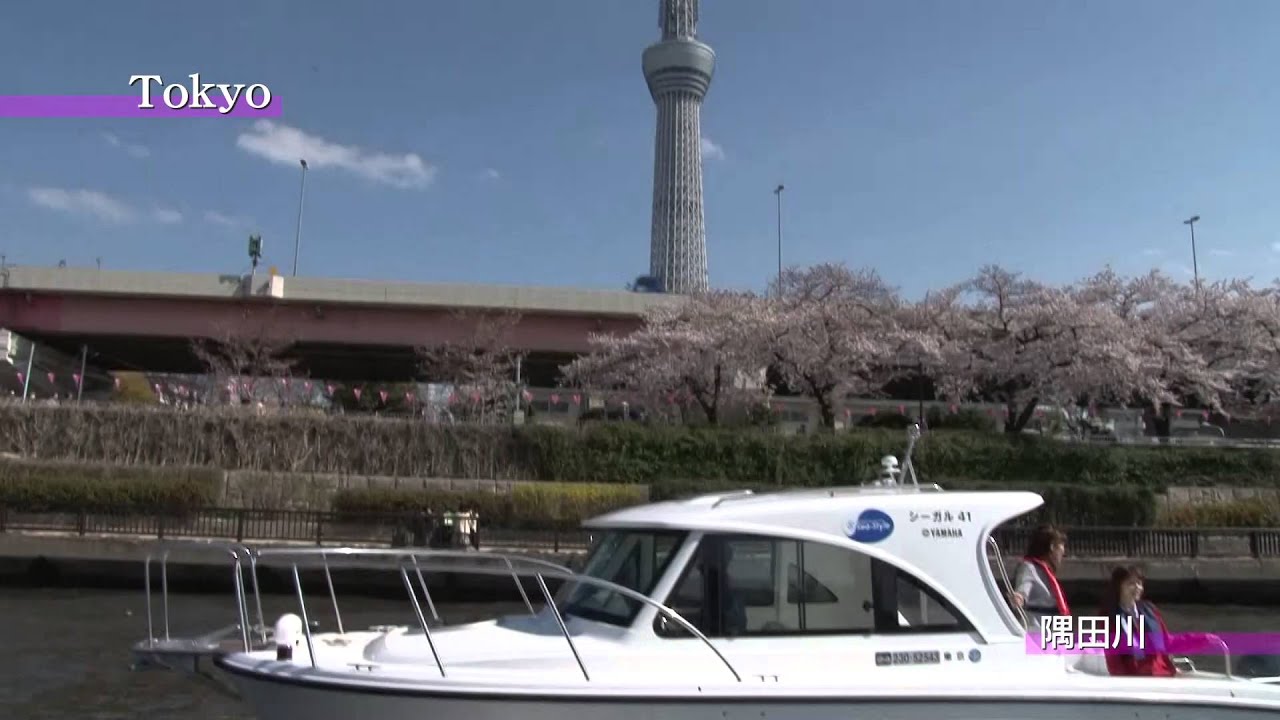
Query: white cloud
point(710, 150)
point(1275, 246)
point(231, 221)
point(492, 174)
point(285, 145)
point(98, 205)
point(138, 151)
point(1152, 252)
point(82, 202)
point(1221, 252)
point(166, 216)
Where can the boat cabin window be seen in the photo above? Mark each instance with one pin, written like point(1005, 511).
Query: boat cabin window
point(758, 586)
point(634, 559)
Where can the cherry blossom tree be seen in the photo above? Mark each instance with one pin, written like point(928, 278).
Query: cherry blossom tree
point(1023, 343)
point(711, 349)
point(841, 333)
point(248, 361)
point(1246, 327)
point(481, 368)
point(1198, 344)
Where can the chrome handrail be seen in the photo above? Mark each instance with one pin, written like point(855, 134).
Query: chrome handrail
point(359, 552)
point(540, 570)
point(1021, 614)
point(514, 567)
point(236, 551)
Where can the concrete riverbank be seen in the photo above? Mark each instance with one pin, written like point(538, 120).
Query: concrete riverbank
point(72, 560)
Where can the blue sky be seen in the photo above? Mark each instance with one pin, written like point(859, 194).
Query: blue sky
point(511, 141)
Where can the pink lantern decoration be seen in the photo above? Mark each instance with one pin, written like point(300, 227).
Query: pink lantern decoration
point(329, 388)
point(954, 409)
point(307, 386)
point(577, 399)
point(51, 377)
point(528, 396)
point(382, 394)
point(555, 399)
point(76, 378)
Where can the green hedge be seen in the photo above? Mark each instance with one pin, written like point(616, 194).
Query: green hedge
point(622, 452)
point(1089, 505)
point(1254, 513)
point(71, 487)
point(526, 507)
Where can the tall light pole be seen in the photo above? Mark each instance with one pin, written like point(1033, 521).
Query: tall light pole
point(1195, 266)
point(297, 235)
point(778, 192)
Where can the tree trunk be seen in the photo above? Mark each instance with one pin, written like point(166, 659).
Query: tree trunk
point(822, 394)
point(710, 406)
point(1017, 419)
point(1162, 420)
point(827, 411)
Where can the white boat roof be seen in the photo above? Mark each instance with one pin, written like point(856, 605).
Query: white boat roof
point(937, 536)
point(803, 508)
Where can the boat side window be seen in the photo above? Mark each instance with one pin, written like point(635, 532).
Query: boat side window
point(741, 586)
point(635, 559)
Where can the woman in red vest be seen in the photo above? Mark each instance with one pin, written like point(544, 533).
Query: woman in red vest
point(1035, 582)
point(1139, 638)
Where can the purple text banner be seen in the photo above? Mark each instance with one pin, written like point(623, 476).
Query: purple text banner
point(1174, 644)
point(123, 106)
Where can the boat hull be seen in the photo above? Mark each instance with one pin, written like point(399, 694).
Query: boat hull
point(275, 697)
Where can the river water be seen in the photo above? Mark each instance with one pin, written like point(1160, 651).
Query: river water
point(66, 656)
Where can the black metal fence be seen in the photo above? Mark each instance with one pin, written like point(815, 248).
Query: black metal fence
point(296, 526)
point(403, 529)
point(1155, 543)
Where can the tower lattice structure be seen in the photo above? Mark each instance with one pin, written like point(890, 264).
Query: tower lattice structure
point(678, 70)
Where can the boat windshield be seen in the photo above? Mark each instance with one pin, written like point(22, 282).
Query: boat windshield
point(634, 559)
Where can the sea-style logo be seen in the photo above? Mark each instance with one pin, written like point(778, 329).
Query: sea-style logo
point(872, 526)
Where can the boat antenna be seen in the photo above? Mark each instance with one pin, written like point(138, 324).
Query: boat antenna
point(908, 467)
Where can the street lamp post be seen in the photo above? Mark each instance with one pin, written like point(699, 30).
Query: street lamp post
point(297, 235)
point(1195, 266)
point(778, 192)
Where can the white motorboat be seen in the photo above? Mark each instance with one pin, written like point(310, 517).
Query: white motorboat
point(880, 601)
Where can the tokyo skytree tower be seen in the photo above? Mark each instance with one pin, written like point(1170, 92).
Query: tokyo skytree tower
point(678, 71)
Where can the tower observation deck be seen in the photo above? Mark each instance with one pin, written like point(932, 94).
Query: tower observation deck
point(678, 70)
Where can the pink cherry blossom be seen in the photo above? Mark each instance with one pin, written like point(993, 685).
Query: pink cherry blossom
point(711, 349)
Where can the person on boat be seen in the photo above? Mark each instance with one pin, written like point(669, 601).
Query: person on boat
point(733, 611)
point(1139, 638)
point(1035, 582)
